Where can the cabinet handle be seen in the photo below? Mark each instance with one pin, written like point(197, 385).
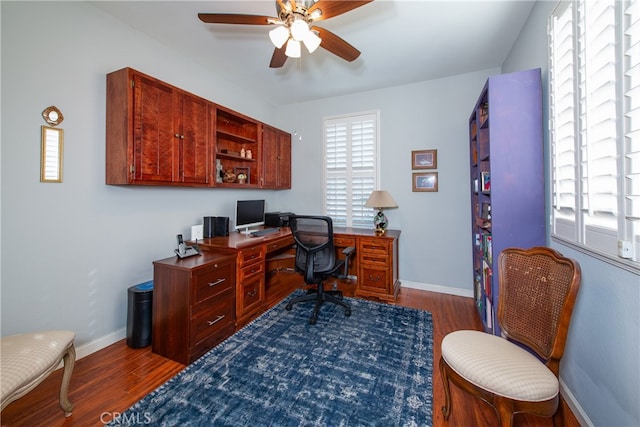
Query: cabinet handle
point(374, 278)
point(217, 319)
point(177, 135)
point(252, 293)
point(217, 282)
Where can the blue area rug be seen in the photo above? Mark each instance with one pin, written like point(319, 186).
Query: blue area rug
point(373, 368)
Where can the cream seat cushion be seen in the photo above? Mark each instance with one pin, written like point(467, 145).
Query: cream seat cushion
point(499, 366)
point(27, 359)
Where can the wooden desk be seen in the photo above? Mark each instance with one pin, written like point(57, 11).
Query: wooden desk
point(201, 300)
point(374, 266)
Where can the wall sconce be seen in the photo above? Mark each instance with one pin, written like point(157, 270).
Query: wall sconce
point(52, 144)
point(379, 200)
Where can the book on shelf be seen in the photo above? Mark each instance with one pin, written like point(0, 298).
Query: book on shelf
point(486, 181)
point(487, 274)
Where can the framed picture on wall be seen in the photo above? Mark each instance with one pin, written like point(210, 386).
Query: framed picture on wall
point(424, 159)
point(425, 181)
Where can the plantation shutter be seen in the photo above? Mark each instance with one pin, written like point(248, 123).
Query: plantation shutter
point(598, 123)
point(563, 124)
point(350, 168)
point(632, 120)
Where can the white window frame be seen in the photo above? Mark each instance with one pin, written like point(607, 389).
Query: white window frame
point(356, 215)
point(599, 231)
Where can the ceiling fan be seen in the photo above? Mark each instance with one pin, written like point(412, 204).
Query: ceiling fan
point(295, 25)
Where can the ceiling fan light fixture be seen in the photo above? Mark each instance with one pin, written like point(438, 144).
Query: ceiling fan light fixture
point(299, 29)
point(317, 13)
point(293, 49)
point(279, 36)
point(311, 41)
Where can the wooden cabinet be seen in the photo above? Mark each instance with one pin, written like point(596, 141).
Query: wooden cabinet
point(276, 158)
point(237, 147)
point(507, 179)
point(156, 134)
point(193, 304)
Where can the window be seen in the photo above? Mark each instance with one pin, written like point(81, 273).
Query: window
point(594, 118)
point(350, 167)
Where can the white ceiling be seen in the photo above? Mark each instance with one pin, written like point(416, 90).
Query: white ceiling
point(401, 42)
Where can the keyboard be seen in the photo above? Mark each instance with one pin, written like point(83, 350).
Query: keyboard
point(264, 232)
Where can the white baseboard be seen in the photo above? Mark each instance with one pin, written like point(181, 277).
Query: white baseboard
point(100, 343)
point(573, 404)
point(437, 288)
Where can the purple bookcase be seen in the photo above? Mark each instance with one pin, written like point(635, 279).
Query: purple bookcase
point(507, 179)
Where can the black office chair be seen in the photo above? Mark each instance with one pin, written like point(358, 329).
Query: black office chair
point(316, 260)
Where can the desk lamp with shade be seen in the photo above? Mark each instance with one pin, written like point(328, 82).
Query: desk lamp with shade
point(380, 199)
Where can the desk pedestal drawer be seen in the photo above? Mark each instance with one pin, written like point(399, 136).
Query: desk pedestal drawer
point(208, 318)
point(375, 279)
point(214, 281)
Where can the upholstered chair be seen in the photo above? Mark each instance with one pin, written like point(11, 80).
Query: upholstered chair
point(27, 359)
point(518, 371)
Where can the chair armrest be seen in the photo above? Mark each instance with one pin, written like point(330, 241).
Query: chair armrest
point(348, 251)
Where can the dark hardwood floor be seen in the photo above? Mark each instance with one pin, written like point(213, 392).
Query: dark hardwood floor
point(109, 381)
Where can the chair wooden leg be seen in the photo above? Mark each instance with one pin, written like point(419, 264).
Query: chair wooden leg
point(558, 417)
point(69, 361)
point(446, 409)
point(504, 410)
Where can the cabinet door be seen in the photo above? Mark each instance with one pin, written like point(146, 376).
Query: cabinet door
point(194, 139)
point(284, 160)
point(154, 142)
point(276, 158)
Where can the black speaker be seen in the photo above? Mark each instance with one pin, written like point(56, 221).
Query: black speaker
point(208, 226)
point(222, 226)
point(213, 226)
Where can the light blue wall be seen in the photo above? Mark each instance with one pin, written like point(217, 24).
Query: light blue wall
point(71, 250)
point(601, 366)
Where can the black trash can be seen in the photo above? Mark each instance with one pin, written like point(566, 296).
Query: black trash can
point(139, 315)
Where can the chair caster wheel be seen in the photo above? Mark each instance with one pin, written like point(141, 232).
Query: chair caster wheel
point(288, 307)
point(347, 312)
point(313, 320)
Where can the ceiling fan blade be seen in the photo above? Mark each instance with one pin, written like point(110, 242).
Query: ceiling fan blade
point(279, 58)
point(336, 45)
point(234, 18)
point(331, 8)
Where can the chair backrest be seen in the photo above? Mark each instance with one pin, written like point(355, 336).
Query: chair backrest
point(538, 289)
point(315, 252)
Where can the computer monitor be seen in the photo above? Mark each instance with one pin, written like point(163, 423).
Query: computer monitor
point(249, 213)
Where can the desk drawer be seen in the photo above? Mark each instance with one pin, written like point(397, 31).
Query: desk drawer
point(213, 281)
point(372, 278)
point(250, 271)
point(250, 295)
point(374, 246)
point(372, 259)
point(344, 242)
point(210, 316)
point(251, 255)
point(280, 244)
